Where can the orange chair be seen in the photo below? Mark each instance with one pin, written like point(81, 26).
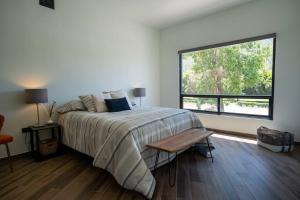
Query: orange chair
point(5, 139)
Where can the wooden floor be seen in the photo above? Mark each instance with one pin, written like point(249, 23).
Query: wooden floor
point(240, 171)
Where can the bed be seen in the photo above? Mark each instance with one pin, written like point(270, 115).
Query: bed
point(117, 141)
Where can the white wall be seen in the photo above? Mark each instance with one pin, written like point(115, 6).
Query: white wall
point(78, 48)
point(252, 19)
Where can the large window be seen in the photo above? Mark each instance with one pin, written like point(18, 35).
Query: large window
point(230, 78)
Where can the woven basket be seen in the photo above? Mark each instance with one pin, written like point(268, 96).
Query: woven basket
point(275, 140)
point(48, 146)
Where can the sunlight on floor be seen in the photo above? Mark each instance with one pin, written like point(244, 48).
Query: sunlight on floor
point(238, 139)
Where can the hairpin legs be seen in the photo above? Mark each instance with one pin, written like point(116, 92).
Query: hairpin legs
point(211, 156)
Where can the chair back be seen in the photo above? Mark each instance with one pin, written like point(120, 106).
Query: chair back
point(2, 118)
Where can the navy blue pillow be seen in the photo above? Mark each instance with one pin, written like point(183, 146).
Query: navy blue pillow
point(116, 105)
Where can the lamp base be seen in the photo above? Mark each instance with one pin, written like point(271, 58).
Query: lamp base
point(50, 121)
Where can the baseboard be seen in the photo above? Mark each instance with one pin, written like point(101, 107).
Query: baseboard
point(239, 134)
point(21, 155)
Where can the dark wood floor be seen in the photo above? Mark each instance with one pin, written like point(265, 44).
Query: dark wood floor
point(239, 171)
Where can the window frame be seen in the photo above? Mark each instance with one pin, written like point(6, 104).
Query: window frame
point(219, 97)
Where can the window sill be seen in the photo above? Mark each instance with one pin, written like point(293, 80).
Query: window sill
point(233, 114)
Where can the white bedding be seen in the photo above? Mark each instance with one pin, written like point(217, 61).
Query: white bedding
point(117, 141)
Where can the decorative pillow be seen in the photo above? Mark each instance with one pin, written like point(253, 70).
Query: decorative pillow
point(116, 105)
point(74, 105)
point(120, 94)
point(99, 101)
point(88, 102)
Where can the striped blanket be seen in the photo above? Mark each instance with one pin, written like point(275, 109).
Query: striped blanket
point(117, 141)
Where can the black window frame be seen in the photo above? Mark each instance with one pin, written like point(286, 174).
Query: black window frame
point(219, 97)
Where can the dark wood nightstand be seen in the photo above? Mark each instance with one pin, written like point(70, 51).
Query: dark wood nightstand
point(35, 131)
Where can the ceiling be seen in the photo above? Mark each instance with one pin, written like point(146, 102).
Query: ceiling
point(164, 13)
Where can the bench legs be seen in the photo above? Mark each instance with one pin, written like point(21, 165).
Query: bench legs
point(156, 161)
point(174, 162)
point(211, 156)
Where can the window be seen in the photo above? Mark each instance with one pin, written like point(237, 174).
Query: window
point(230, 78)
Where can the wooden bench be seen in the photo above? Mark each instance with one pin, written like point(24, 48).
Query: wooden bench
point(179, 142)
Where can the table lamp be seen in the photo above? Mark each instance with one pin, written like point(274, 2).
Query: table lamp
point(36, 96)
point(139, 92)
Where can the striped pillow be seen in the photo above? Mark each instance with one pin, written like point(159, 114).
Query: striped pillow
point(74, 105)
point(88, 102)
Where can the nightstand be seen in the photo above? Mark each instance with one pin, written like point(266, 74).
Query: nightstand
point(35, 142)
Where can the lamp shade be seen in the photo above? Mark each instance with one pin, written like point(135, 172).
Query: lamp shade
point(139, 92)
point(36, 95)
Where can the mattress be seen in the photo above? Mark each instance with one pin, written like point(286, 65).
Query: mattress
point(117, 141)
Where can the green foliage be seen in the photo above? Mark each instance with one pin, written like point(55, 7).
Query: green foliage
point(237, 69)
point(247, 102)
point(264, 85)
point(253, 103)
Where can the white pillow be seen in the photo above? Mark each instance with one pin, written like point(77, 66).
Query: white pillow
point(120, 94)
point(99, 101)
